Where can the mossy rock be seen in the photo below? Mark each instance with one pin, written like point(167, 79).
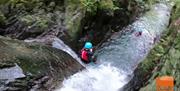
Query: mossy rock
point(2, 19)
point(3, 1)
point(37, 62)
point(39, 21)
point(73, 16)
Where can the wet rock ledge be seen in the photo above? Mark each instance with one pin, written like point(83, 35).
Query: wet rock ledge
point(33, 67)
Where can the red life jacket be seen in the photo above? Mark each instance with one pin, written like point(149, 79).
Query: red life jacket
point(84, 55)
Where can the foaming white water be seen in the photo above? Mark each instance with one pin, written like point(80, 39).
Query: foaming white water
point(101, 78)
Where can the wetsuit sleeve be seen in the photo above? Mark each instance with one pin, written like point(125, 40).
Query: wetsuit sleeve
point(90, 54)
point(80, 52)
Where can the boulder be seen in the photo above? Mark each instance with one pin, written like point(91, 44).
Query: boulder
point(30, 66)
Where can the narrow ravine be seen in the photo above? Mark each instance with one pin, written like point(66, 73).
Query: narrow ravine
point(119, 56)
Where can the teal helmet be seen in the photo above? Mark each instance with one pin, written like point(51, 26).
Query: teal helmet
point(88, 45)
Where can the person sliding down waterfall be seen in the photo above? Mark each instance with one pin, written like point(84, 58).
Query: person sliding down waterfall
point(87, 53)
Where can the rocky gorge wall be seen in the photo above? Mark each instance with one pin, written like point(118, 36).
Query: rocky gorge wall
point(74, 21)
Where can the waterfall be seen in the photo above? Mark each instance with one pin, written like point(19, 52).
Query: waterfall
point(119, 56)
point(59, 44)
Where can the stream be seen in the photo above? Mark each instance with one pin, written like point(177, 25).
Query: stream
point(119, 56)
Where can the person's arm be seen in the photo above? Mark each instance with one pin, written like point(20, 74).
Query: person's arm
point(90, 54)
point(80, 52)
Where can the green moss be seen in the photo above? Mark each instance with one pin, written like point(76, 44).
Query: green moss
point(106, 4)
point(176, 14)
point(35, 68)
point(2, 18)
point(73, 16)
point(93, 5)
point(3, 1)
point(35, 21)
point(90, 5)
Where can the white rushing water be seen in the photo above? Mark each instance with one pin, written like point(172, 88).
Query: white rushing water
point(118, 56)
point(86, 80)
point(101, 78)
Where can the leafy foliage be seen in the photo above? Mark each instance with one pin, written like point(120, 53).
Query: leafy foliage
point(90, 5)
point(93, 5)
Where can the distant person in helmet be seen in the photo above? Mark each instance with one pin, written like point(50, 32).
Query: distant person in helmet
point(138, 33)
point(87, 53)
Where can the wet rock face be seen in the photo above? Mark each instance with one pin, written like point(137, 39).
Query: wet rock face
point(33, 66)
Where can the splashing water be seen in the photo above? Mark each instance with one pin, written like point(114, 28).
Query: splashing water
point(121, 54)
point(102, 78)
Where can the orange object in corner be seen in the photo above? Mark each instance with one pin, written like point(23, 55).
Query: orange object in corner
point(165, 83)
